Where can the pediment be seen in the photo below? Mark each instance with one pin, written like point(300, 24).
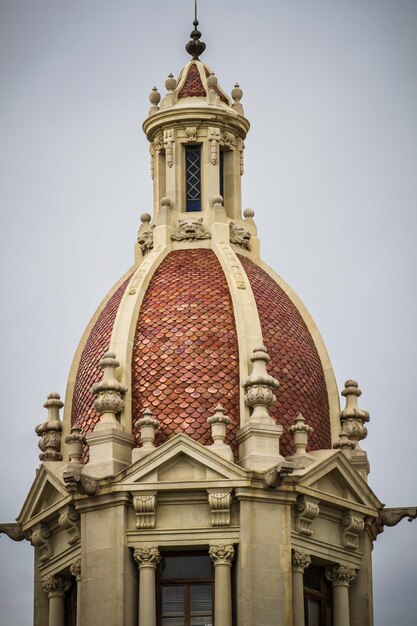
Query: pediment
point(335, 480)
point(182, 460)
point(45, 494)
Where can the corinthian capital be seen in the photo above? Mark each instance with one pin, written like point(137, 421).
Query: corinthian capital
point(56, 585)
point(340, 575)
point(222, 554)
point(300, 561)
point(147, 557)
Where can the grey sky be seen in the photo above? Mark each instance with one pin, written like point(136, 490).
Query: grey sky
point(331, 172)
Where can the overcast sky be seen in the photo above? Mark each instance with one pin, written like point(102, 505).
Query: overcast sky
point(331, 173)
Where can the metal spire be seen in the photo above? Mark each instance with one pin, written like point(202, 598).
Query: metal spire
point(195, 47)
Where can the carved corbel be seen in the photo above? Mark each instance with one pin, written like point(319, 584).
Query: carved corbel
point(214, 138)
point(14, 531)
point(219, 502)
point(41, 539)
point(79, 483)
point(69, 521)
point(352, 526)
point(307, 509)
point(275, 476)
point(169, 146)
point(229, 139)
point(145, 509)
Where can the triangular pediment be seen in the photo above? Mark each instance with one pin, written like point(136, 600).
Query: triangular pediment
point(45, 495)
point(182, 460)
point(334, 479)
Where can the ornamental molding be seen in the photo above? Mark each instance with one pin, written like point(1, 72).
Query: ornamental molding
point(352, 526)
point(190, 229)
point(214, 138)
point(40, 538)
point(147, 557)
point(340, 575)
point(222, 554)
point(306, 511)
point(234, 265)
point(69, 521)
point(56, 585)
point(239, 235)
point(169, 135)
point(75, 569)
point(144, 506)
point(241, 148)
point(219, 502)
point(300, 561)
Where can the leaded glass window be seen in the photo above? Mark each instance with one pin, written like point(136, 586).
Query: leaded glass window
point(193, 177)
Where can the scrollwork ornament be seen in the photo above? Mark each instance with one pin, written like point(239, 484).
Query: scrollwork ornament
point(147, 557)
point(222, 554)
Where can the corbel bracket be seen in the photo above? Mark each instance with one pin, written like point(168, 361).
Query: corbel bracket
point(352, 526)
point(144, 505)
point(79, 483)
point(307, 509)
point(219, 502)
point(40, 538)
point(68, 520)
point(274, 477)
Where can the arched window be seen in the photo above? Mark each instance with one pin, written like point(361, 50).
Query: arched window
point(193, 178)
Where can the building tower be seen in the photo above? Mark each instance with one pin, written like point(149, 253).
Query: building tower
point(203, 472)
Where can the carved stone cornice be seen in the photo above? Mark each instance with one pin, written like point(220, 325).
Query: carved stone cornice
point(340, 575)
point(40, 538)
point(79, 483)
point(219, 502)
point(56, 585)
point(75, 569)
point(69, 521)
point(145, 509)
point(307, 509)
point(300, 561)
point(147, 557)
point(14, 531)
point(352, 526)
point(222, 554)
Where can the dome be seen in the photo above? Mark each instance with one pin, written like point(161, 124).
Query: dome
point(186, 321)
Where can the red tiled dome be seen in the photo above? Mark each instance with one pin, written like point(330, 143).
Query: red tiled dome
point(186, 358)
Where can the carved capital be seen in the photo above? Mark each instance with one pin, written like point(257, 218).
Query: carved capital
point(145, 509)
point(56, 585)
point(222, 554)
point(69, 521)
point(219, 503)
point(340, 575)
point(75, 569)
point(352, 526)
point(300, 561)
point(307, 509)
point(147, 557)
point(40, 538)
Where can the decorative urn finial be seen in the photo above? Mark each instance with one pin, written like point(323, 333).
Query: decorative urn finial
point(352, 417)
point(50, 431)
point(195, 47)
point(109, 392)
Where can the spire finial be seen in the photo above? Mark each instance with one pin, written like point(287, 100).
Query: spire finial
point(195, 47)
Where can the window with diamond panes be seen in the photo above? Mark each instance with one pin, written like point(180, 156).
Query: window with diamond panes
point(193, 178)
point(185, 590)
point(318, 598)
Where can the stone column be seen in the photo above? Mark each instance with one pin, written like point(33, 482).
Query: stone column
point(56, 588)
point(75, 570)
point(147, 560)
point(222, 557)
point(300, 561)
point(341, 576)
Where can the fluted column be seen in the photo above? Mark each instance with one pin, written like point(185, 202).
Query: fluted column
point(340, 576)
point(300, 561)
point(56, 588)
point(222, 557)
point(147, 560)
